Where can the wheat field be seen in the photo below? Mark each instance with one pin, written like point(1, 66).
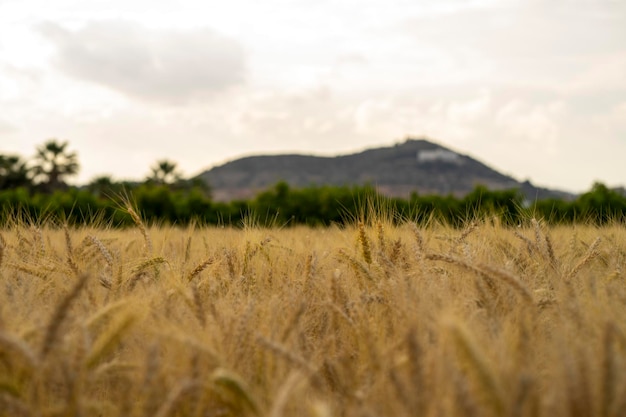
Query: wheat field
point(373, 319)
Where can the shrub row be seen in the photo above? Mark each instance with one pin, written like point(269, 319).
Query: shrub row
point(282, 205)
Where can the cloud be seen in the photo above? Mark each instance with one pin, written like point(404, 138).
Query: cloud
point(537, 125)
point(524, 43)
point(161, 65)
point(6, 127)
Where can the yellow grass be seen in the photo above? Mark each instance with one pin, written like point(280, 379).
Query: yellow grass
point(369, 320)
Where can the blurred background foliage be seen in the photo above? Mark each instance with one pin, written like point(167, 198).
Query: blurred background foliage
point(37, 191)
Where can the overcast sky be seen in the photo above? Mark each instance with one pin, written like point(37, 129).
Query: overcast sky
point(535, 89)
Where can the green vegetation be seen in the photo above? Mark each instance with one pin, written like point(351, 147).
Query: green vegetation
point(282, 205)
point(39, 191)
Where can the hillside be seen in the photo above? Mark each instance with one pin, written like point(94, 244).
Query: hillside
point(415, 165)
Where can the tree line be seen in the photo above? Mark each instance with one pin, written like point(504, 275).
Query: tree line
point(38, 190)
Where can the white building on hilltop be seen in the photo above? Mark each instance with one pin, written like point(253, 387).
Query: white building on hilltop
point(438, 155)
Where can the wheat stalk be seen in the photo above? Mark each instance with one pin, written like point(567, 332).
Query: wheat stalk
point(477, 364)
point(293, 381)
point(18, 351)
point(609, 371)
point(108, 339)
point(59, 316)
point(174, 397)
point(199, 305)
point(285, 353)
point(3, 245)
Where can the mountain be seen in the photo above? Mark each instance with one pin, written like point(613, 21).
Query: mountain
point(415, 165)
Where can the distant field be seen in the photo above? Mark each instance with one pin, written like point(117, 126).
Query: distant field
point(370, 320)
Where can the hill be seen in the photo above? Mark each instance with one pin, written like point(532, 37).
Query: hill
point(416, 165)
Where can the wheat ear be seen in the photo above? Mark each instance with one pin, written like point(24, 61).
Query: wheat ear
point(142, 228)
point(476, 363)
point(486, 272)
point(365, 244)
point(201, 267)
point(102, 249)
point(591, 254)
point(233, 384)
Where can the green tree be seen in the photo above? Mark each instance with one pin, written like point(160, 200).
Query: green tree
point(164, 172)
point(102, 185)
point(53, 163)
point(602, 204)
point(13, 172)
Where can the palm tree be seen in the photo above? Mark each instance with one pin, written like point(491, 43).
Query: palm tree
point(13, 172)
point(164, 172)
point(54, 163)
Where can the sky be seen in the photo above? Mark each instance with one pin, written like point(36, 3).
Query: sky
point(533, 88)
